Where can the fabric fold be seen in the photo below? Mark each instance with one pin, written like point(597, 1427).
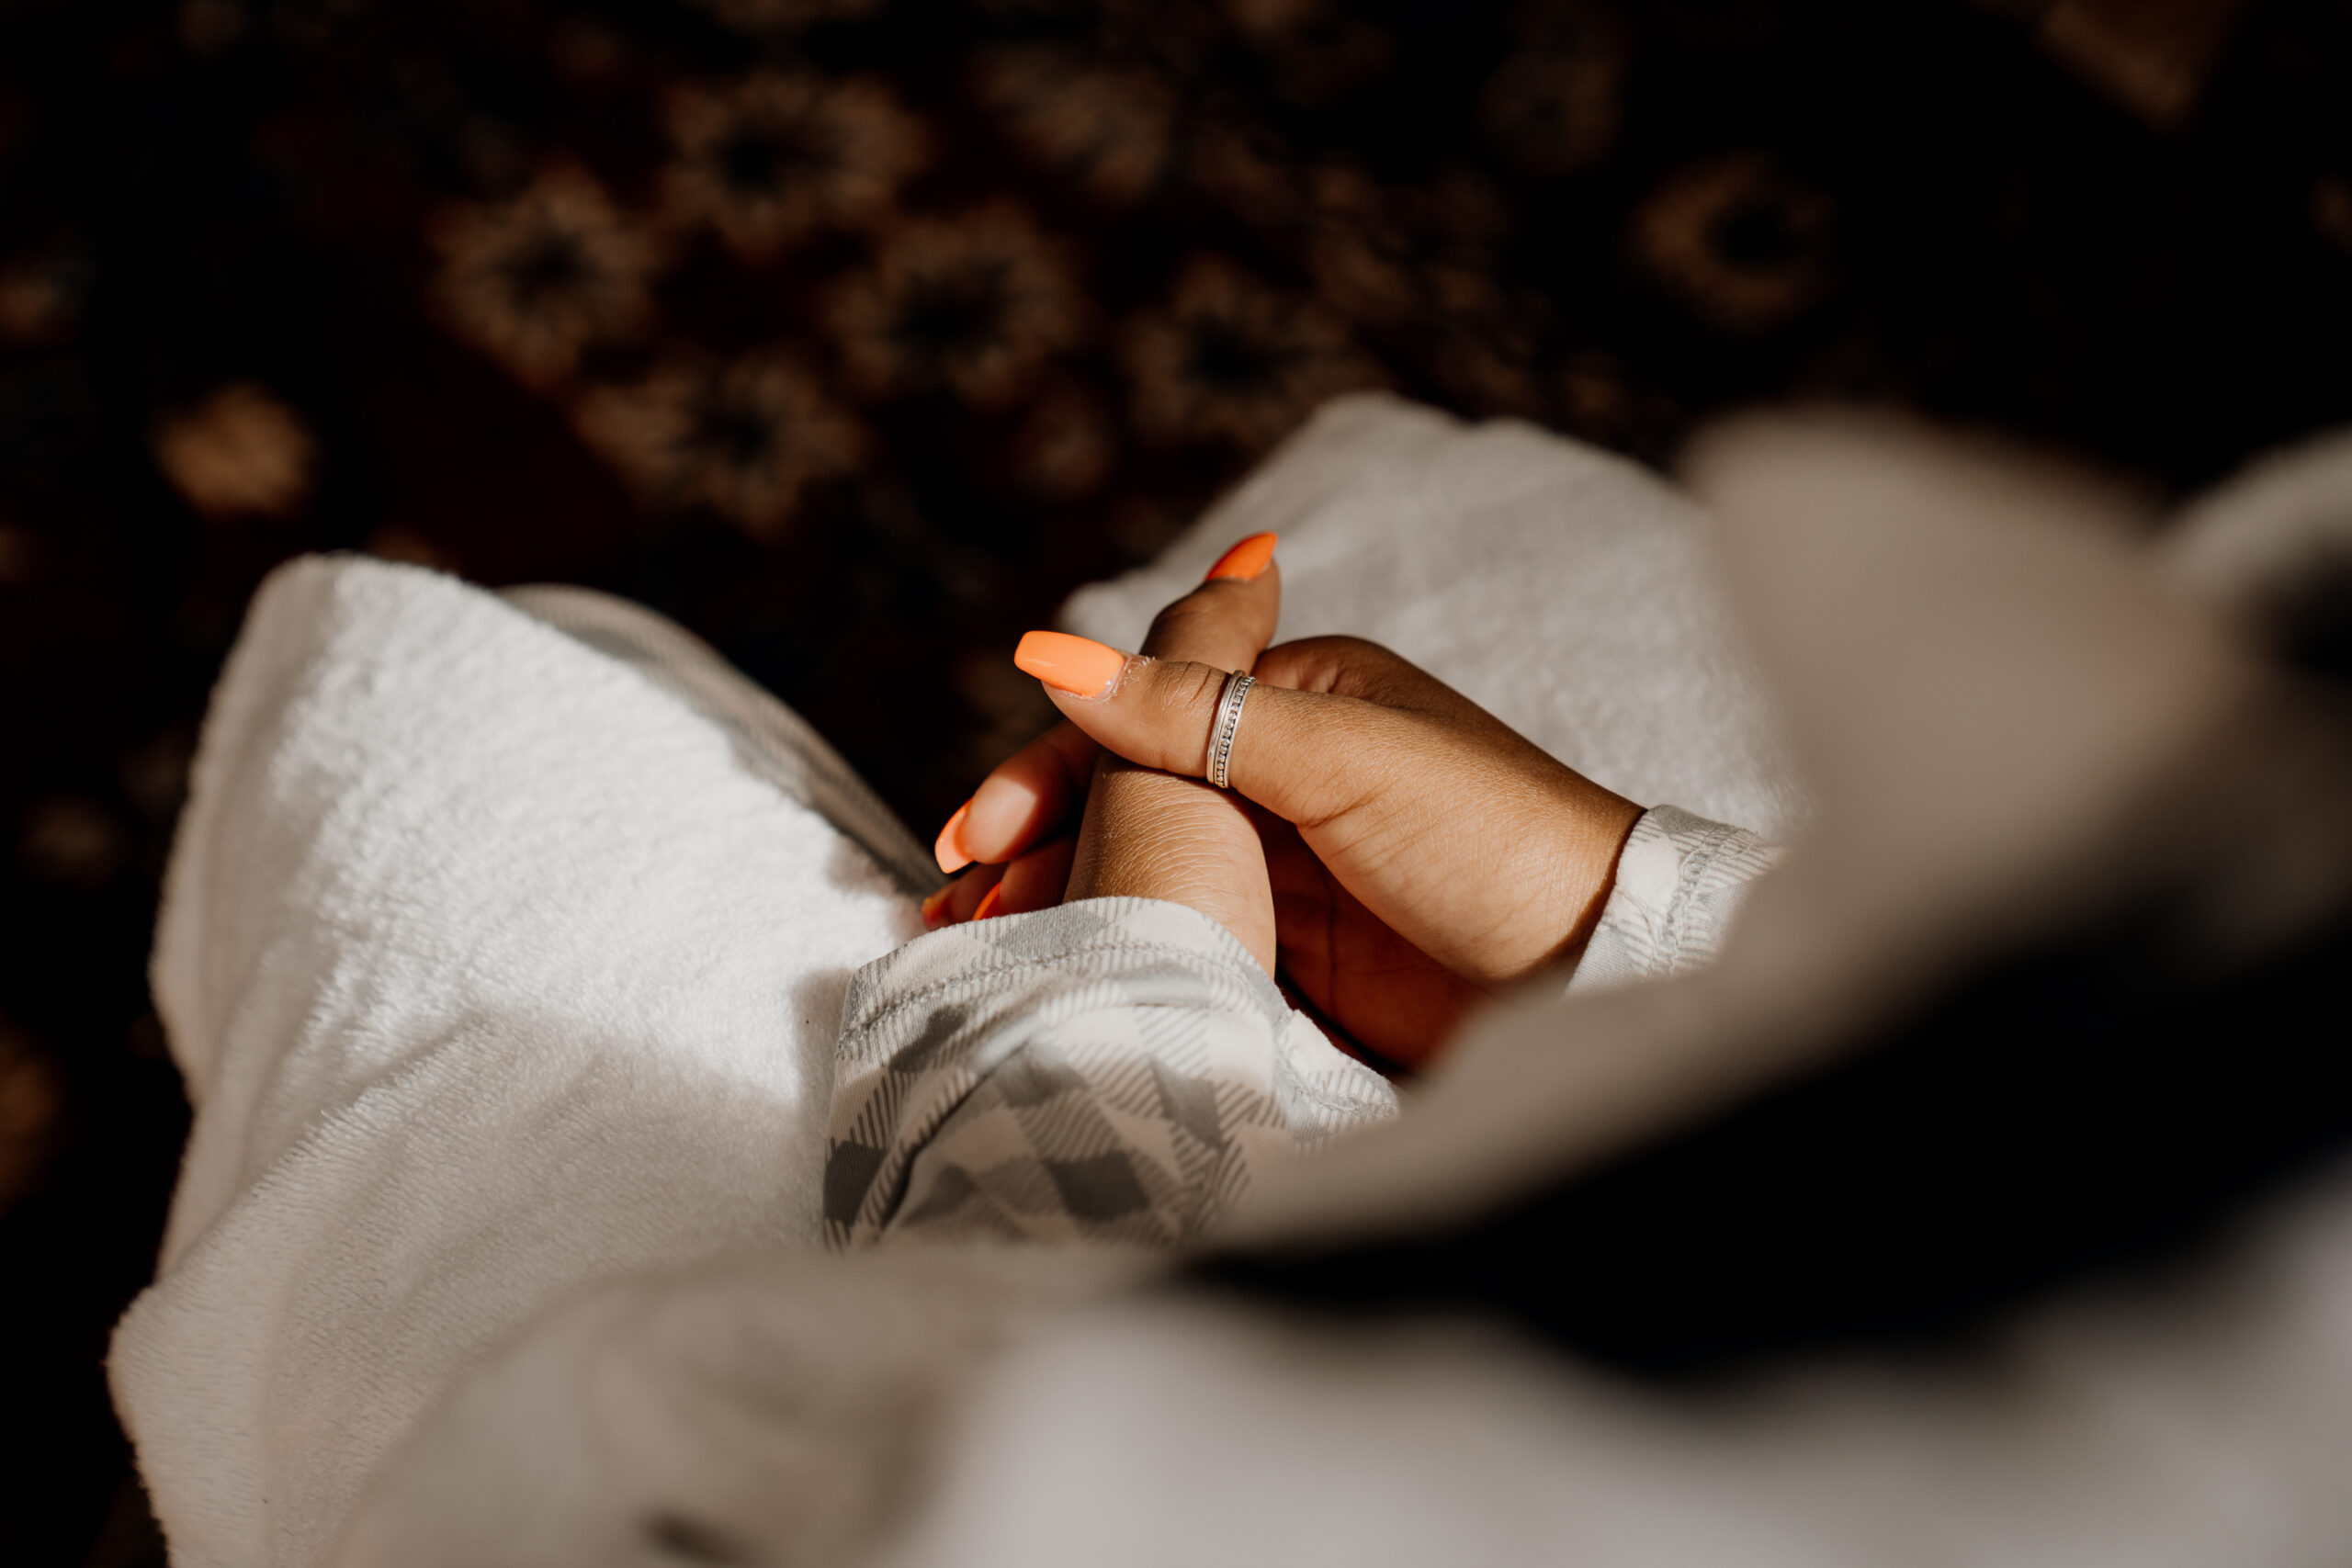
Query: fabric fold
point(1680, 883)
point(1113, 1071)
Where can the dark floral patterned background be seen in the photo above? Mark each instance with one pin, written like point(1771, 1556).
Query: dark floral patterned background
point(856, 332)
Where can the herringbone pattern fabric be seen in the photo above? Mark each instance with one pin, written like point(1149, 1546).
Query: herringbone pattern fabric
point(1679, 881)
point(1112, 1072)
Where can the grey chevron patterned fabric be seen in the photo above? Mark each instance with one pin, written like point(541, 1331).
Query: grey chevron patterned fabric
point(1112, 1072)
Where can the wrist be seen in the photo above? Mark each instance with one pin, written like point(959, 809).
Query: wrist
point(1597, 829)
point(1148, 834)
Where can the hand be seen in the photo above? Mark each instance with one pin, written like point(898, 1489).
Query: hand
point(1142, 832)
point(1417, 851)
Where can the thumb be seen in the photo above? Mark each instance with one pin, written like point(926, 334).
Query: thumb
point(1307, 757)
point(1461, 836)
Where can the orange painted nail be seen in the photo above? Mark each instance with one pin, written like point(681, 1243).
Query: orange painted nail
point(948, 849)
point(1078, 665)
point(932, 904)
point(1246, 560)
point(988, 905)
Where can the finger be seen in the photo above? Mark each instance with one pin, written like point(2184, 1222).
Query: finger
point(1156, 835)
point(1378, 793)
point(961, 900)
point(1029, 796)
point(1036, 880)
point(1331, 720)
point(1351, 666)
point(1303, 755)
point(1414, 809)
point(1225, 622)
point(1023, 801)
point(1228, 620)
point(1150, 834)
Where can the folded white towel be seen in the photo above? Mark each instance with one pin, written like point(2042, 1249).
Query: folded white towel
point(495, 968)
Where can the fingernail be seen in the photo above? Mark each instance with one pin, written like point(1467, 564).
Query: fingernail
point(1078, 665)
point(1246, 559)
point(932, 904)
point(988, 905)
point(948, 850)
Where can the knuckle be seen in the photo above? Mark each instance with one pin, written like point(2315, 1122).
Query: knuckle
point(1335, 663)
point(1169, 627)
point(1184, 699)
point(1192, 690)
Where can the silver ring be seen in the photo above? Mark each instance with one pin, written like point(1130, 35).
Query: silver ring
point(1229, 719)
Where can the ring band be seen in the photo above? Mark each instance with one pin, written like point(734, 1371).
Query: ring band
point(1229, 719)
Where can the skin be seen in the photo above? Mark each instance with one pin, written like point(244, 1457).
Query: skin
point(1387, 849)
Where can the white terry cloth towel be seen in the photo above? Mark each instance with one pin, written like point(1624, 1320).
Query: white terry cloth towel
point(1566, 591)
point(1976, 671)
point(496, 966)
point(499, 967)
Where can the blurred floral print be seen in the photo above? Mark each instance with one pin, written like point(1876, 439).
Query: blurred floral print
point(973, 304)
point(774, 156)
point(742, 436)
point(534, 281)
point(1231, 359)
